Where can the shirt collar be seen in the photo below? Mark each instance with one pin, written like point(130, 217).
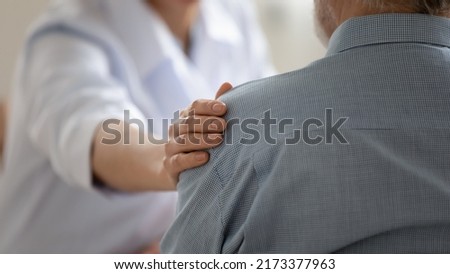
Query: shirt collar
point(146, 38)
point(150, 42)
point(390, 28)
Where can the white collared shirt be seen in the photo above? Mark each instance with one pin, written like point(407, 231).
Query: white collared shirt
point(89, 60)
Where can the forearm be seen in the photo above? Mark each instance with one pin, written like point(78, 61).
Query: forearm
point(137, 167)
point(133, 167)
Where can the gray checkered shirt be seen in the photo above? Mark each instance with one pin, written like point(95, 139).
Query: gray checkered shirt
point(386, 191)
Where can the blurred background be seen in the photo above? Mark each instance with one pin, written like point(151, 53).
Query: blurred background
point(288, 25)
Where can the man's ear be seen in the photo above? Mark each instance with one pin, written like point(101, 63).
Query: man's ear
point(223, 89)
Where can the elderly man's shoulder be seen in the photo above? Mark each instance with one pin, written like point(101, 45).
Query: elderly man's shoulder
point(253, 97)
point(297, 93)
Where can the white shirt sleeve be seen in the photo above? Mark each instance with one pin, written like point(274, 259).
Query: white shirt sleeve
point(69, 91)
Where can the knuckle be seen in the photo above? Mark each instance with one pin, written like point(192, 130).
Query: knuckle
point(188, 120)
point(214, 124)
point(196, 104)
point(167, 163)
point(186, 112)
point(181, 140)
point(176, 160)
point(168, 148)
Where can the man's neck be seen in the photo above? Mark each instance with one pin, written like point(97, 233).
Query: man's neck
point(178, 18)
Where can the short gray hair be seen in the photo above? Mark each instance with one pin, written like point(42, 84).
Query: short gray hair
point(433, 7)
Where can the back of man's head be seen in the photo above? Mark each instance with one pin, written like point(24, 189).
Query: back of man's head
point(330, 14)
point(432, 7)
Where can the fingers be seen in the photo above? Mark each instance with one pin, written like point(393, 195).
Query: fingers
point(198, 124)
point(208, 107)
point(204, 107)
point(187, 151)
point(224, 89)
point(192, 142)
point(199, 128)
point(184, 161)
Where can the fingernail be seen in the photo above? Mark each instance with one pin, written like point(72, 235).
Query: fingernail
point(218, 108)
point(216, 137)
point(213, 127)
point(200, 157)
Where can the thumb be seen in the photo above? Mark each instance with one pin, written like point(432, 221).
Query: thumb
point(224, 89)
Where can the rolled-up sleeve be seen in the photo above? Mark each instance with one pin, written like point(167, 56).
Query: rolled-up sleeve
point(69, 91)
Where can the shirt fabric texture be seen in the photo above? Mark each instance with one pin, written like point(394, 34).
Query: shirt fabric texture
point(386, 191)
